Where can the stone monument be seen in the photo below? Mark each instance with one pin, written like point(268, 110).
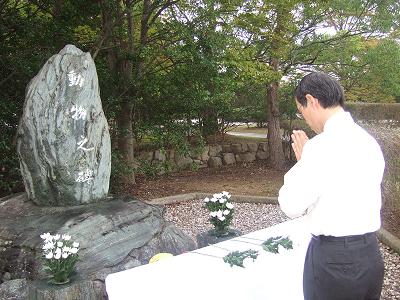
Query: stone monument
point(63, 141)
point(65, 156)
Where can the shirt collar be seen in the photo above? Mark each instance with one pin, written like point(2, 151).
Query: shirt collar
point(337, 119)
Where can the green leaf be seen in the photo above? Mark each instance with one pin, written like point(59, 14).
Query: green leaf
point(236, 258)
point(273, 243)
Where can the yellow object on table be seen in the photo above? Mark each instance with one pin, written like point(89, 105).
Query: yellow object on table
point(159, 256)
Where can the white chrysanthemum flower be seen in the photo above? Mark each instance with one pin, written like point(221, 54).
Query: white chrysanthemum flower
point(213, 199)
point(213, 214)
point(229, 205)
point(56, 237)
point(226, 212)
point(219, 214)
point(228, 196)
point(58, 250)
point(218, 195)
point(74, 250)
point(60, 244)
point(46, 236)
point(75, 245)
point(206, 199)
point(65, 254)
point(66, 237)
point(49, 255)
point(48, 246)
point(222, 200)
point(225, 193)
point(66, 249)
point(57, 255)
point(221, 218)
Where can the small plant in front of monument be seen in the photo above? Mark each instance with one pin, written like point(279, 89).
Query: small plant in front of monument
point(236, 258)
point(221, 212)
point(273, 243)
point(60, 255)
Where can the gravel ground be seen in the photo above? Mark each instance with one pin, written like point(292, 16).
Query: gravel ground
point(192, 218)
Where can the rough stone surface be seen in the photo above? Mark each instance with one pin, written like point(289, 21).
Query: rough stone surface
point(207, 238)
point(236, 148)
point(215, 162)
point(226, 148)
point(215, 150)
point(261, 155)
point(14, 289)
point(247, 157)
point(7, 276)
point(159, 155)
point(201, 158)
point(252, 147)
point(229, 158)
point(63, 141)
point(205, 156)
point(171, 155)
point(263, 147)
point(113, 235)
point(76, 289)
point(183, 162)
point(146, 155)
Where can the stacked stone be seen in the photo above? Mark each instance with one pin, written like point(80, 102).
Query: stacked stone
point(212, 156)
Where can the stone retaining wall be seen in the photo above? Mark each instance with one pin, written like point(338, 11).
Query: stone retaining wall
point(212, 156)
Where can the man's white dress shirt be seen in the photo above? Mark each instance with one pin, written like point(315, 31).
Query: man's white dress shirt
point(337, 181)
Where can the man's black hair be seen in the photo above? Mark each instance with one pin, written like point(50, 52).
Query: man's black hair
point(321, 86)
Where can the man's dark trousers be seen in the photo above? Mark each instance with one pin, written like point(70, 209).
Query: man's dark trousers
point(343, 268)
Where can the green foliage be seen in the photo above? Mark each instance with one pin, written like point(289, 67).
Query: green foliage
point(172, 135)
point(148, 168)
point(167, 166)
point(236, 258)
point(119, 169)
point(30, 33)
point(10, 177)
point(194, 167)
point(287, 105)
point(194, 66)
point(367, 68)
point(273, 243)
point(250, 105)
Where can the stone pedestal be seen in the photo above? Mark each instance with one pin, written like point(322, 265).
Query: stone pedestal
point(207, 238)
point(76, 289)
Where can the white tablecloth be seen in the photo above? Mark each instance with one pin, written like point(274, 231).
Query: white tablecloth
point(201, 275)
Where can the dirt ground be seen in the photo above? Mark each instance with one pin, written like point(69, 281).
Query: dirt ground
point(254, 179)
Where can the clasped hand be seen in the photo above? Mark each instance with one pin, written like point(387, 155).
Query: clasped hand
point(299, 139)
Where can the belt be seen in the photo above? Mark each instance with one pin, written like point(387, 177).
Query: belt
point(348, 238)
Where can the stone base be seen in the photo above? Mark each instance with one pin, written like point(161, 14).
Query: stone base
point(76, 289)
point(207, 238)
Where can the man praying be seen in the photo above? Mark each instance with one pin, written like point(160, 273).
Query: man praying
point(336, 184)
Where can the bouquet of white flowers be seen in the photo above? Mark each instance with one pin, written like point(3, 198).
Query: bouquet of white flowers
point(60, 255)
point(221, 212)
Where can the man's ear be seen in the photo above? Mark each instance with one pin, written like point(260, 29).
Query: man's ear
point(312, 101)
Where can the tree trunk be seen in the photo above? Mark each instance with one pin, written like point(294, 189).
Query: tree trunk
point(126, 140)
point(276, 155)
point(209, 122)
